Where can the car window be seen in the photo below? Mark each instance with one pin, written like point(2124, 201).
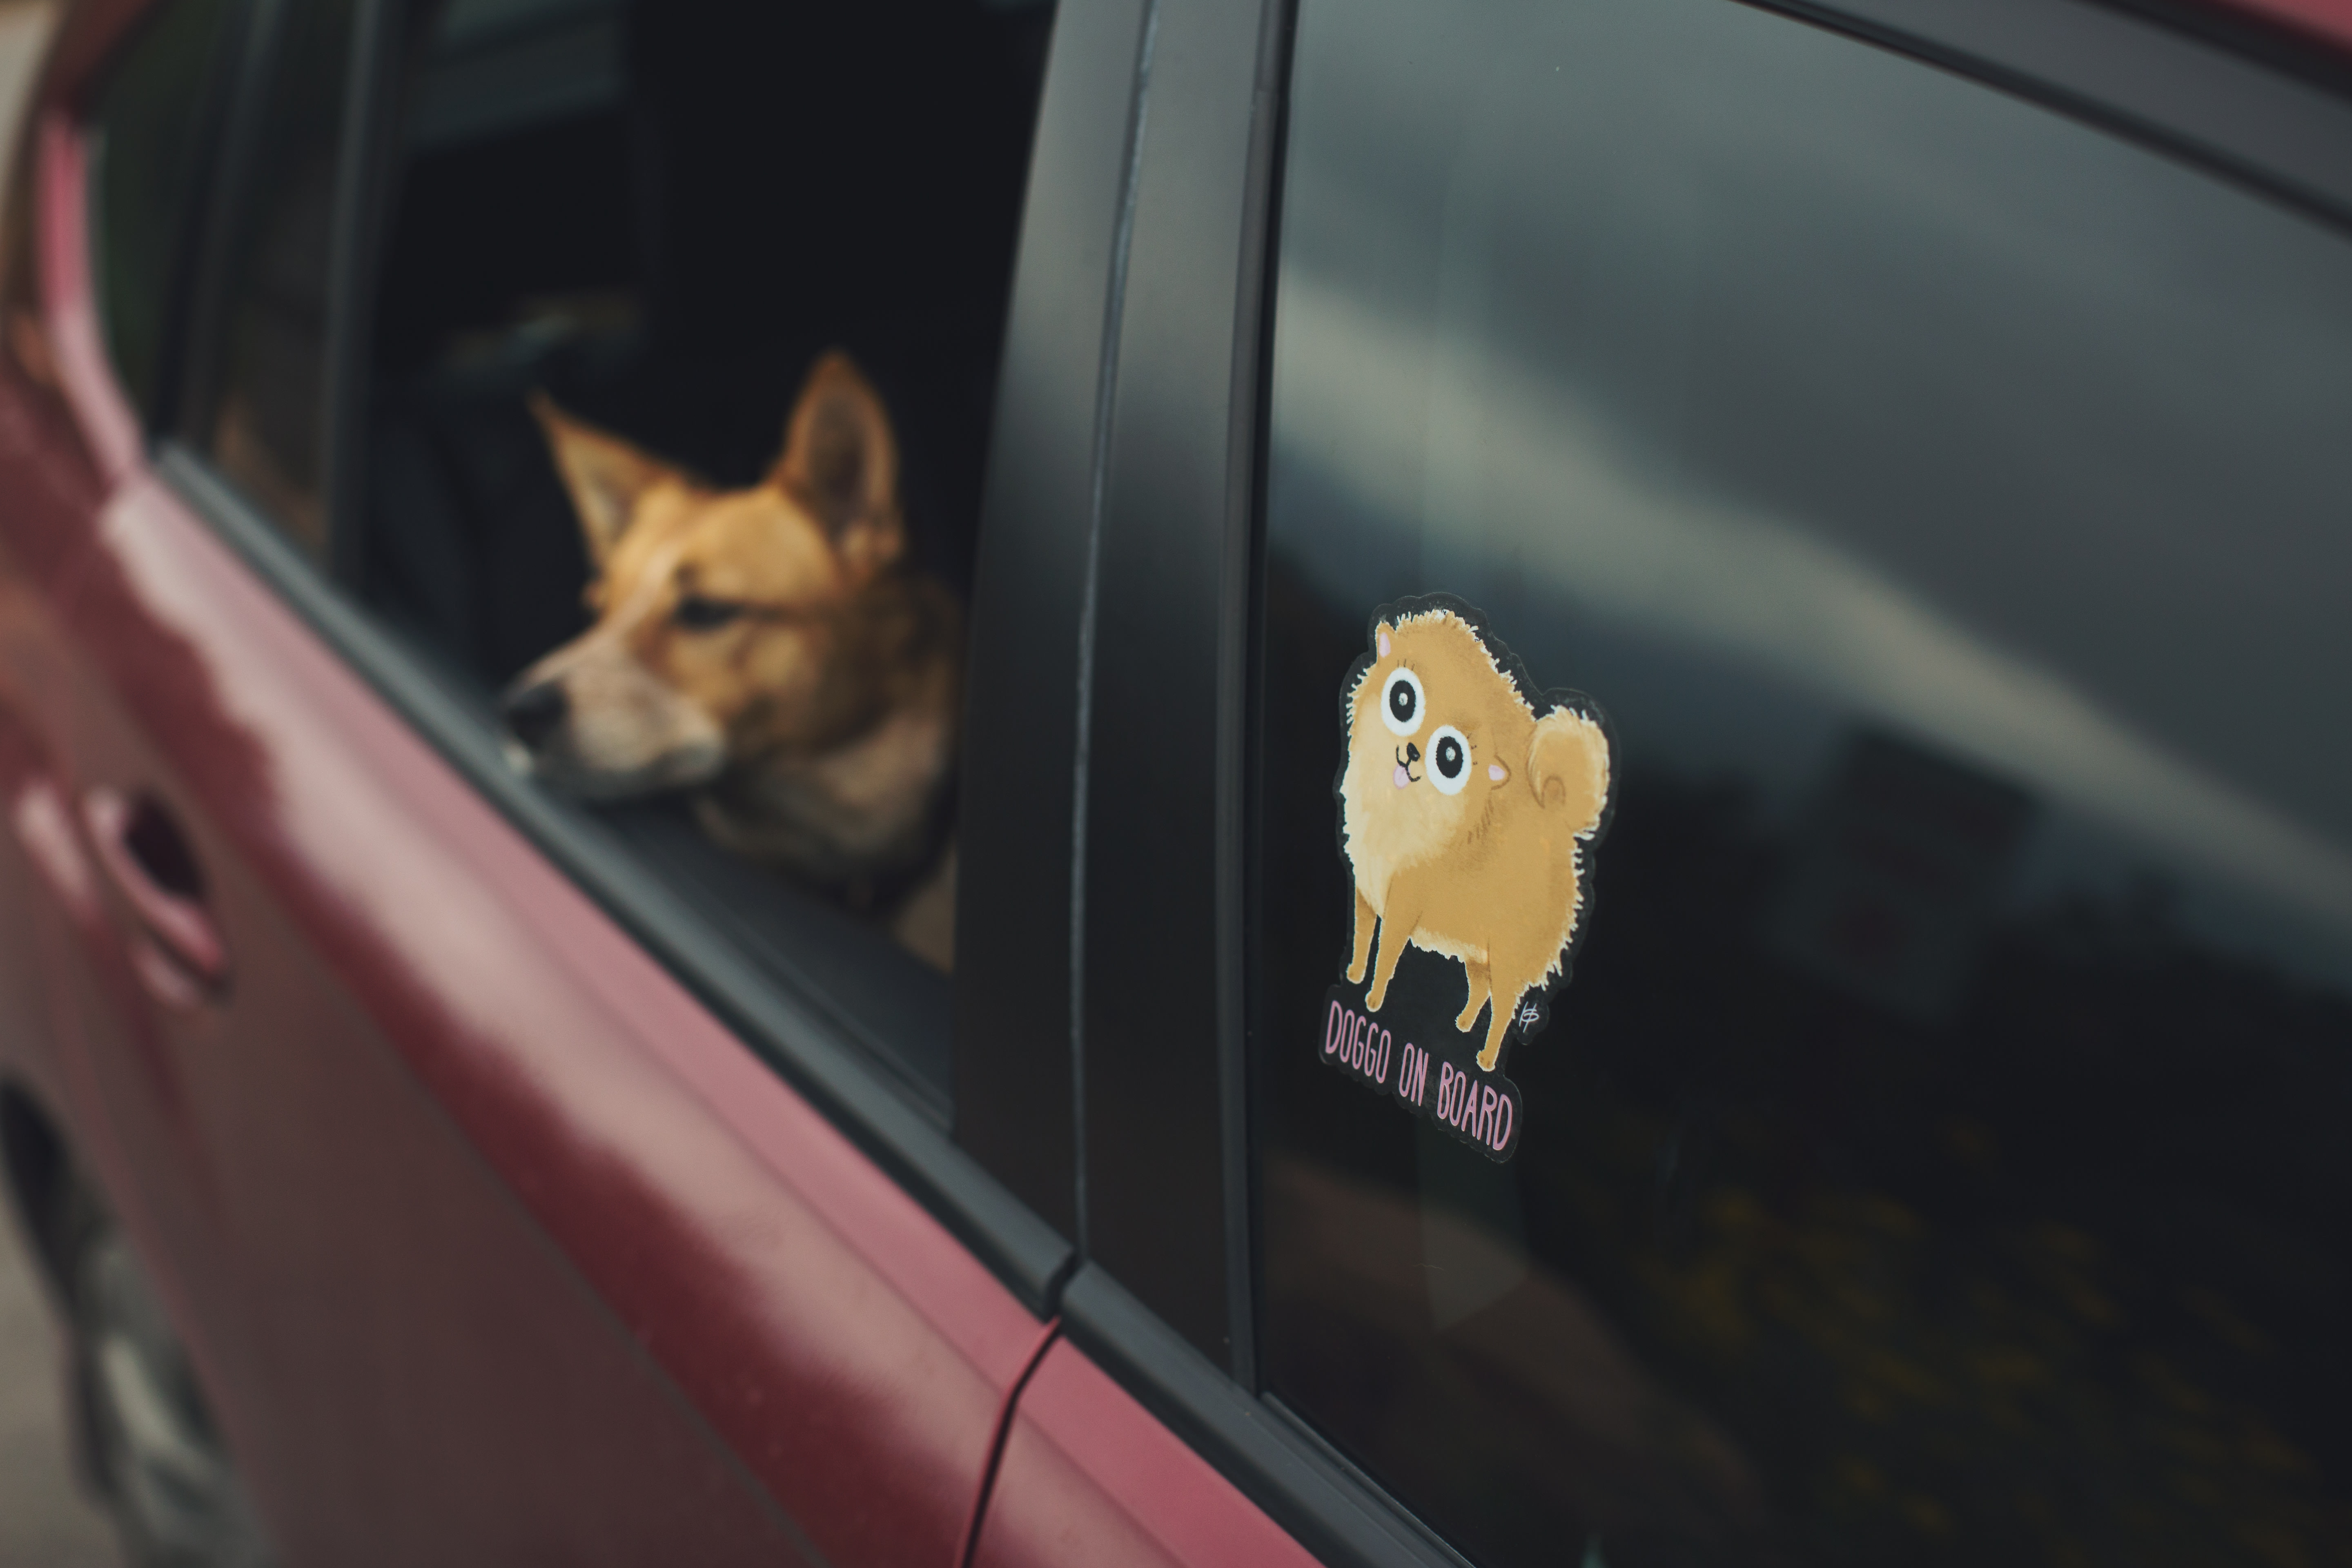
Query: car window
point(148, 129)
point(682, 373)
point(262, 407)
point(1812, 588)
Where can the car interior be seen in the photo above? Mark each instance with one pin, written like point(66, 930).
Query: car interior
point(659, 215)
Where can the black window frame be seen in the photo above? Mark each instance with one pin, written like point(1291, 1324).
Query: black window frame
point(214, 109)
point(193, 359)
point(1015, 1093)
point(1179, 537)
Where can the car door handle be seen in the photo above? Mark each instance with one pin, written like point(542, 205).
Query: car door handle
point(146, 858)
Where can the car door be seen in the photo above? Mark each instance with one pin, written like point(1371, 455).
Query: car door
point(1915, 1153)
point(492, 1242)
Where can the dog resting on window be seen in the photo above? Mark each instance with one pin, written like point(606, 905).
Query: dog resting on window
point(1463, 816)
point(766, 648)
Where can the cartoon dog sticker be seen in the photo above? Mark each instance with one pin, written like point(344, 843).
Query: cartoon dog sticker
point(1467, 808)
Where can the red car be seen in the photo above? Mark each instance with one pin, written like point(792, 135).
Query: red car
point(1910, 434)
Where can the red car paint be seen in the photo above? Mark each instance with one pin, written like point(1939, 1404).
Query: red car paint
point(1088, 1475)
point(2330, 20)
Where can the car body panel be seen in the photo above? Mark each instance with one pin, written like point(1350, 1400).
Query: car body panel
point(1090, 1475)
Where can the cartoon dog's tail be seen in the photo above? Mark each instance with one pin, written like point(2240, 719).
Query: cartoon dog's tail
point(1567, 765)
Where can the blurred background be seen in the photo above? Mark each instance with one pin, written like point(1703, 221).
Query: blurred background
point(45, 1520)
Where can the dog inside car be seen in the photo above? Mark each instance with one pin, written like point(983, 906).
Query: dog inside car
point(770, 650)
point(1463, 814)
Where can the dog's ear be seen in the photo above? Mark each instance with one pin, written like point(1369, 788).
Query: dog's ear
point(605, 475)
point(841, 460)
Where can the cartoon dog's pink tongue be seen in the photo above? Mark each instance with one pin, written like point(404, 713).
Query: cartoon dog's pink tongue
point(1402, 777)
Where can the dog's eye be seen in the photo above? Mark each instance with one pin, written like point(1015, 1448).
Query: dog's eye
point(1400, 703)
point(1449, 759)
point(697, 614)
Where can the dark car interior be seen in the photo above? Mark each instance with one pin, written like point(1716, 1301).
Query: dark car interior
point(660, 214)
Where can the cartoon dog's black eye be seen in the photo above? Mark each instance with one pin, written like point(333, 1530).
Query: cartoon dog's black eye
point(1400, 703)
point(697, 614)
point(1449, 759)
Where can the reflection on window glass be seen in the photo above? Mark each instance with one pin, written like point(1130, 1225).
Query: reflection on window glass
point(268, 424)
point(1935, 1154)
point(149, 135)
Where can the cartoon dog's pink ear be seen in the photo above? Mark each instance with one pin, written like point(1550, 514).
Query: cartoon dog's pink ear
point(1381, 640)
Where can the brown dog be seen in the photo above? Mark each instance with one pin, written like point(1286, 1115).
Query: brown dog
point(1461, 811)
point(765, 647)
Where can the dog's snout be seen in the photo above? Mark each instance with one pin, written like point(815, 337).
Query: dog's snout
point(533, 713)
point(1412, 754)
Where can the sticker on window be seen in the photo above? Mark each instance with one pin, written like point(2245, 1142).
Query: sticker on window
point(1469, 803)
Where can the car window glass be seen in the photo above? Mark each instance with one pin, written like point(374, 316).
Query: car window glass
point(1932, 1151)
point(265, 420)
point(742, 271)
point(148, 132)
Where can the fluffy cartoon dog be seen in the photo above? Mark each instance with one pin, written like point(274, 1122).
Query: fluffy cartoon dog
point(1463, 813)
point(766, 648)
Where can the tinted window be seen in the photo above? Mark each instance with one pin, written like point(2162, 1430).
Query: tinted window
point(266, 419)
point(149, 128)
point(1934, 1153)
point(604, 238)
